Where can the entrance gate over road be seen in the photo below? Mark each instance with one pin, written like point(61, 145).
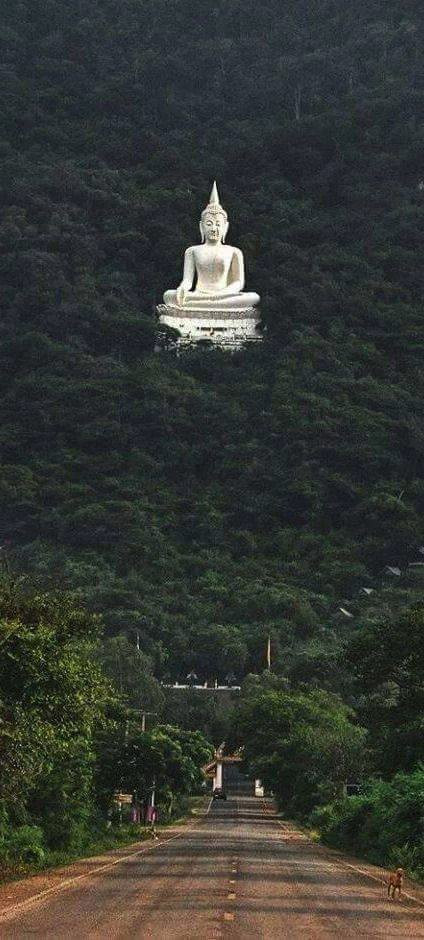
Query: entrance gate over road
point(236, 783)
point(225, 771)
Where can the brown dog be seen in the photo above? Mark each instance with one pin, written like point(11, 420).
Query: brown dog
point(395, 883)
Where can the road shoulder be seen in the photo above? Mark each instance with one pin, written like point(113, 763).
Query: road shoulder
point(17, 895)
point(412, 892)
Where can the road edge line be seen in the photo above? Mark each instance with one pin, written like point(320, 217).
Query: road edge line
point(8, 913)
point(361, 871)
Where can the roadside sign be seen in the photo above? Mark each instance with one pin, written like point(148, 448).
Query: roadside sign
point(122, 797)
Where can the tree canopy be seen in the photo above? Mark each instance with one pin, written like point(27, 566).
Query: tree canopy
point(304, 746)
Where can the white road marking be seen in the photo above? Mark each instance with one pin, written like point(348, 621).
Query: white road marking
point(361, 871)
point(69, 882)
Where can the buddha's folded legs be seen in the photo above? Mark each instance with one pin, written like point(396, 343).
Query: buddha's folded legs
point(212, 301)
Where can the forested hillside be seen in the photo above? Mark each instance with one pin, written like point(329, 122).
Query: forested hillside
point(208, 500)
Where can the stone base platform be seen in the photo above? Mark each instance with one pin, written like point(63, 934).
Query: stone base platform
point(229, 328)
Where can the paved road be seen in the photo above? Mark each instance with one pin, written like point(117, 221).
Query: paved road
point(237, 874)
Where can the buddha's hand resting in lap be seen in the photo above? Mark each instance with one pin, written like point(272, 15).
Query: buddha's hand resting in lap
point(180, 295)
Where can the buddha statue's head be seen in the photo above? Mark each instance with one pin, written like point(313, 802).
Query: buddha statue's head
point(214, 220)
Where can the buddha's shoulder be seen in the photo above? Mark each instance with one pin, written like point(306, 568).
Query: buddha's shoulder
point(233, 250)
point(196, 249)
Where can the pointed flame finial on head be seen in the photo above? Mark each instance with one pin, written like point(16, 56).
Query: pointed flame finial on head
point(214, 198)
point(214, 206)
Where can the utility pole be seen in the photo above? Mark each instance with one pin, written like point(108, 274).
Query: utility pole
point(144, 714)
point(268, 652)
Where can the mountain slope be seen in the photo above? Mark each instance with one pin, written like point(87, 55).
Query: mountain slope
point(207, 501)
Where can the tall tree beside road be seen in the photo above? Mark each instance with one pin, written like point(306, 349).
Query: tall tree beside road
point(53, 697)
point(166, 759)
point(303, 745)
point(67, 736)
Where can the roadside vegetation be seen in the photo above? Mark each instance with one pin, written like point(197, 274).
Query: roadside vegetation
point(69, 742)
point(384, 822)
point(353, 772)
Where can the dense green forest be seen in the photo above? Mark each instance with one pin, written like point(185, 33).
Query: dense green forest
point(208, 500)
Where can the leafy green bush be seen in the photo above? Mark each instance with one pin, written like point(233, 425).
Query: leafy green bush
point(385, 823)
point(26, 844)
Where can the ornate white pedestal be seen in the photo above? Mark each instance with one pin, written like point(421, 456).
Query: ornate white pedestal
point(229, 329)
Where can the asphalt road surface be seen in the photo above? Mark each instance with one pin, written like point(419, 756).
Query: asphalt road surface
point(236, 874)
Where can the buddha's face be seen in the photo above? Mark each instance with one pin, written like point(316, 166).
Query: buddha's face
point(213, 228)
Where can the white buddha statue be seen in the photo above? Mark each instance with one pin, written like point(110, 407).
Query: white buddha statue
point(213, 277)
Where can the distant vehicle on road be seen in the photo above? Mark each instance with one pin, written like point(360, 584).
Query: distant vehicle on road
point(219, 794)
